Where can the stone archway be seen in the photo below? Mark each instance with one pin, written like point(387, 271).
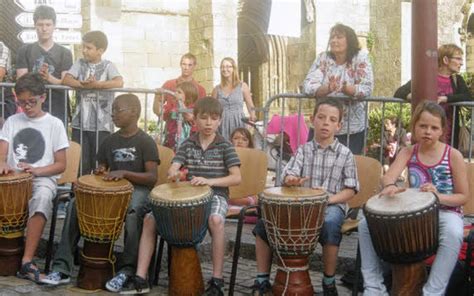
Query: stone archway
point(261, 57)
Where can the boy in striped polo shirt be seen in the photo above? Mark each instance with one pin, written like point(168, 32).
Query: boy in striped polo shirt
point(211, 160)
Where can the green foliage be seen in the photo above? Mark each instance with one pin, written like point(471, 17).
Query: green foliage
point(375, 119)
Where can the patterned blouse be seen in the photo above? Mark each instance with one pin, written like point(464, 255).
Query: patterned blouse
point(357, 72)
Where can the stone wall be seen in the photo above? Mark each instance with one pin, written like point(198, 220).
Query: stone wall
point(449, 21)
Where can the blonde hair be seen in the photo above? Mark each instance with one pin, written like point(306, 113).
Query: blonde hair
point(190, 92)
point(448, 50)
point(235, 73)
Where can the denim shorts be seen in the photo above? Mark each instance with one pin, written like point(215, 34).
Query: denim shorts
point(330, 232)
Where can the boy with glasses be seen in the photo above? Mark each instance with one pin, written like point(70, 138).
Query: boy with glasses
point(35, 142)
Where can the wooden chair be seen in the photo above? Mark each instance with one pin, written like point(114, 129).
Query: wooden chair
point(166, 156)
point(253, 169)
point(369, 172)
point(64, 193)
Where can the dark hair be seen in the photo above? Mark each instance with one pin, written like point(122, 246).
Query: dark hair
point(131, 101)
point(353, 46)
point(331, 102)
point(98, 38)
point(190, 92)
point(244, 132)
point(208, 105)
point(44, 12)
point(32, 82)
point(393, 119)
point(434, 109)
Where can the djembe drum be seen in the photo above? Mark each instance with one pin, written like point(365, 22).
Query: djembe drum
point(182, 213)
point(404, 232)
point(293, 217)
point(15, 193)
point(101, 207)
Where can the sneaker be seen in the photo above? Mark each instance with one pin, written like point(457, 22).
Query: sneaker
point(117, 282)
point(135, 285)
point(55, 278)
point(262, 289)
point(330, 290)
point(214, 289)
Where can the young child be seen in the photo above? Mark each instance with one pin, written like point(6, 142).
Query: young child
point(34, 141)
point(186, 96)
point(241, 137)
point(393, 140)
point(211, 160)
point(325, 163)
point(432, 167)
point(139, 168)
point(94, 108)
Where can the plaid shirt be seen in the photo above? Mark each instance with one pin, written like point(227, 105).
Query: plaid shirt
point(4, 57)
point(332, 168)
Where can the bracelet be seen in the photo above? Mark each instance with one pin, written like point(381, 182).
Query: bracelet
point(391, 184)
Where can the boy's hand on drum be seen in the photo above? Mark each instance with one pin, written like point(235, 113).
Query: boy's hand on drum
point(391, 190)
point(29, 168)
point(114, 175)
point(174, 175)
point(101, 170)
point(295, 181)
point(428, 187)
point(199, 181)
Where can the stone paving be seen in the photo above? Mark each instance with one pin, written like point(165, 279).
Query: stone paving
point(245, 276)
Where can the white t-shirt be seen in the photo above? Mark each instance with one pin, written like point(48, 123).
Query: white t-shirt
point(33, 140)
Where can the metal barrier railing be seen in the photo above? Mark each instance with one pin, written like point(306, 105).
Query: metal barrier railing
point(285, 103)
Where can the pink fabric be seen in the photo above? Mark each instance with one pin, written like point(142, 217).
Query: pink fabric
point(290, 127)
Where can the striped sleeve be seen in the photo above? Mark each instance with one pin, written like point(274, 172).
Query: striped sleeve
point(230, 156)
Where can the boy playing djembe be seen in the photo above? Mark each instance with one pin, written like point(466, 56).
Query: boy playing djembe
point(322, 163)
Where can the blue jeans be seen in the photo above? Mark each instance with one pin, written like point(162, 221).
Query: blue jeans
point(450, 241)
point(330, 231)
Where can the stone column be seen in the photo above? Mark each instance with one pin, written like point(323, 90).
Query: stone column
point(385, 32)
point(212, 36)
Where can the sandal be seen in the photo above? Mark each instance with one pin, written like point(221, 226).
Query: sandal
point(29, 271)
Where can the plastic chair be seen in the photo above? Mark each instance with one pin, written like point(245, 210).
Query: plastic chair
point(64, 193)
point(166, 156)
point(253, 169)
point(369, 172)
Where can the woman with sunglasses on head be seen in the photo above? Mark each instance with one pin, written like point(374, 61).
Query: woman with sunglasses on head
point(451, 88)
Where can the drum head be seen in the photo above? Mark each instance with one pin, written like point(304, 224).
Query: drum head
point(182, 191)
point(408, 201)
point(294, 193)
point(14, 176)
point(97, 182)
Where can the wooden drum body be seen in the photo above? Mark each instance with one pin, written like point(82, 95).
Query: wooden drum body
point(181, 212)
point(404, 232)
point(101, 208)
point(15, 193)
point(293, 217)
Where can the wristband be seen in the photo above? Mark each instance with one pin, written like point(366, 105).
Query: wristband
point(391, 184)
